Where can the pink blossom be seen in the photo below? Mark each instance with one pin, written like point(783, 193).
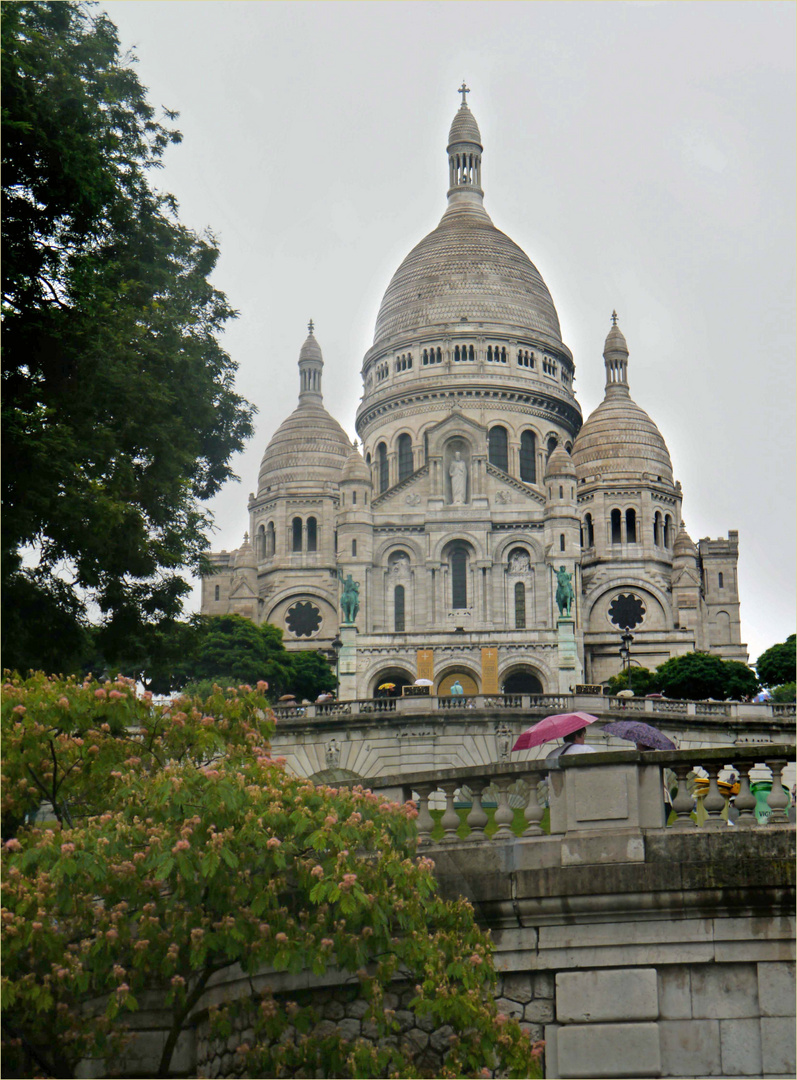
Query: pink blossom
point(181, 845)
point(112, 934)
point(141, 945)
point(197, 934)
point(178, 980)
point(327, 943)
point(122, 989)
point(147, 695)
point(264, 929)
point(476, 959)
point(13, 845)
point(19, 709)
point(331, 819)
point(115, 695)
point(281, 938)
point(273, 842)
point(67, 849)
point(118, 971)
point(105, 727)
point(100, 693)
point(94, 749)
point(262, 685)
point(36, 925)
point(63, 702)
point(317, 871)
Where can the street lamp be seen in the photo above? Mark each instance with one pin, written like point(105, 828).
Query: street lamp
point(625, 653)
point(336, 645)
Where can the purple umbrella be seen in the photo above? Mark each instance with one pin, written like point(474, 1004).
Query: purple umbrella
point(637, 732)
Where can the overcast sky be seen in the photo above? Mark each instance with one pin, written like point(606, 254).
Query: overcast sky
point(641, 153)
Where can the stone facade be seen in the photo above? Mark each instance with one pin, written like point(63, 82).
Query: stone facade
point(476, 485)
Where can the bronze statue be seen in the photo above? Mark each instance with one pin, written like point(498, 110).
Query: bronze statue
point(350, 598)
point(564, 592)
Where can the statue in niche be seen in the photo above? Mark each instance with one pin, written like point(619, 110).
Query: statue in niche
point(400, 566)
point(502, 738)
point(332, 755)
point(564, 592)
point(350, 598)
point(519, 562)
point(459, 479)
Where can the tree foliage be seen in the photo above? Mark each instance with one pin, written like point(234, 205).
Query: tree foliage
point(181, 849)
point(778, 664)
point(699, 675)
point(639, 679)
point(119, 414)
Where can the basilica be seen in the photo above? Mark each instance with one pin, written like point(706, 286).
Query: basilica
point(482, 533)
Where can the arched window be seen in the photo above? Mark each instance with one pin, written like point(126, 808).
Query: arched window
point(398, 609)
point(590, 531)
point(561, 541)
point(528, 457)
point(404, 457)
point(498, 452)
point(381, 457)
point(297, 534)
point(520, 606)
point(630, 525)
point(260, 546)
point(271, 540)
point(470, 352)
point(667, 531)
point(354, 498)
point(721, 582)
point(459, 578)
point(617, 531)
point(354, 547)
point(216, 593)
point(312, 534)
point(552, 445)
point(561, 491)
point(657, 529)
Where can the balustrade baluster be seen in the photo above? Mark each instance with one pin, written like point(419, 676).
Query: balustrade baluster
point(424, 821)
point(777, 800)
point(533, 812)
point(477, 818)
point(450, 820)
point(503, 814)
point(682, 803)
point(714, 800)
point(745, 800)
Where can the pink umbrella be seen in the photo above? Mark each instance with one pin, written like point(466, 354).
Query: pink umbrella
point(553, 727)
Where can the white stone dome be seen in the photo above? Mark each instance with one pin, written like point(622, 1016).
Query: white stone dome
point(355, 468)
point(467, 268)
point(560, 463)
point(464, 127)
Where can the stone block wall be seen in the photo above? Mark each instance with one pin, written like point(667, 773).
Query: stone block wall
point(674, 1021)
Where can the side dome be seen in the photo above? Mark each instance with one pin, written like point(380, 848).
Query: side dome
point(619, 439)
point(560, 464)
point(355, 468)
point(310, 446)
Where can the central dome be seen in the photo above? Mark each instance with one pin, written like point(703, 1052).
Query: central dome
point(466, 270)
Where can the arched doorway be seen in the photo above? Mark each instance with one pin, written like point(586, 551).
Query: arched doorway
point(464, 678)
point(397, 676)
point(522, 681)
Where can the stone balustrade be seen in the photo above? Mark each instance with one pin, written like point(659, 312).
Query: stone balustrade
point(596, 793)
point(542, 704)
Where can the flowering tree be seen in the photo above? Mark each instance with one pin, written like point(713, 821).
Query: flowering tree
point(181, 848)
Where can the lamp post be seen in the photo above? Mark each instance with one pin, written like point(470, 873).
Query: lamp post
point(336, 645)
point(625, 653)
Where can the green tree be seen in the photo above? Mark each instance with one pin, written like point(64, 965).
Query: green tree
point(778, 664)
point(699, 675)
point(785, 693)
point(311, 674)
point(196, 854)
point(119, 416)
point(233, 648)
point(642, 681)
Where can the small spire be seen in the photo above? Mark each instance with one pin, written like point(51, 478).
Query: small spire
point(310, 326)
point(246, 537)
point(464, 90)
point(614, 318)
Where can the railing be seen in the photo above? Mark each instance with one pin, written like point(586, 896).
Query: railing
point(539, 704)
point(517, 785)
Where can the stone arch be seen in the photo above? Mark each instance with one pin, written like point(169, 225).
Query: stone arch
point(520, 540)
point(463, 671)
point(521, 678)
point(721, 629)
point(658, 613)
point(390, 671)
point(404, 455)
point(393, 544)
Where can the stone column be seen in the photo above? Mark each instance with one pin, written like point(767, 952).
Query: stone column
point(570, 670)
point(347, 663)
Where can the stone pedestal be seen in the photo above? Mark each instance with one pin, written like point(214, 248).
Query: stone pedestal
point(347, 663)
point(570, 669)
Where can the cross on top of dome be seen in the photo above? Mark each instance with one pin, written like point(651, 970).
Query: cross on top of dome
point(614, 318)
point(310, 326)
point(464, 90)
